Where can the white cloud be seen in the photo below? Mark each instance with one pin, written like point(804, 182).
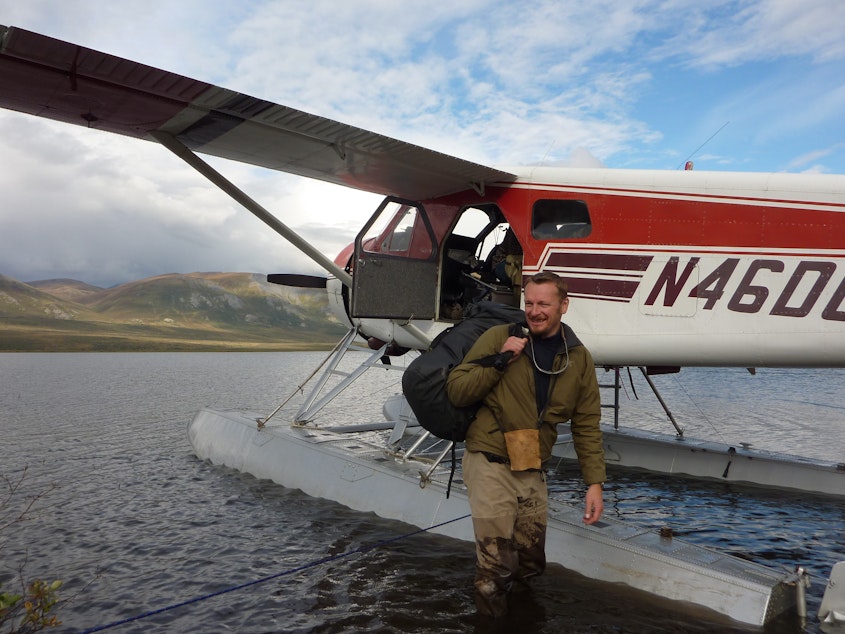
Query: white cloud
point(111, 209)
point(804, 161)
point(736, 32)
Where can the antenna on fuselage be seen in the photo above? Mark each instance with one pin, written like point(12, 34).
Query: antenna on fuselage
point(687, 163)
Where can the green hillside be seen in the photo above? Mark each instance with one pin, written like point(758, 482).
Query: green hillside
point(198, 311)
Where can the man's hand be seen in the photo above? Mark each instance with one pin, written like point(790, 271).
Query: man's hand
point(595, 504)
point(515, 345)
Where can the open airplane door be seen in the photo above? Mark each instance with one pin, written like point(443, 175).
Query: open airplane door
point(395, 266)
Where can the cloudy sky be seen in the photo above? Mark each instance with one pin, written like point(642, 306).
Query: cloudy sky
point(746, 85)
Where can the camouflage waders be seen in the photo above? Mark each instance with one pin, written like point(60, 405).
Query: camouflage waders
point(509, 514)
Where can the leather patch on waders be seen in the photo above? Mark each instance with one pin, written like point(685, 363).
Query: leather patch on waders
point(523, 449)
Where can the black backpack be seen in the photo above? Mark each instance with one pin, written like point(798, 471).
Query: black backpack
point(424, 380)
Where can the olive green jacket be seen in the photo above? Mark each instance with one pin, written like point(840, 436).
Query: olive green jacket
point(508, 400)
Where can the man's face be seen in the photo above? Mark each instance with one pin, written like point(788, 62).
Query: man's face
point(543, 309)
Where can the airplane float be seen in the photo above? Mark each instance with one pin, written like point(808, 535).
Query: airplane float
point(665, 268)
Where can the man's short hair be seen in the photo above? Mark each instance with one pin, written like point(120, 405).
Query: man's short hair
point(547, 277)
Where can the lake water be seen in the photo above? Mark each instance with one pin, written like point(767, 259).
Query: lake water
point(133, 522)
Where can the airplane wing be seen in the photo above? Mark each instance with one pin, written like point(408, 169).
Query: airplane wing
point(51, 78)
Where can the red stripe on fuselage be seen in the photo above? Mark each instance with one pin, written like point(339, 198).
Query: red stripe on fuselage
point(608, 261)
point(600, 288)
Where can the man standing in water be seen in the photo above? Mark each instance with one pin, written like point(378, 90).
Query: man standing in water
point(549, 379)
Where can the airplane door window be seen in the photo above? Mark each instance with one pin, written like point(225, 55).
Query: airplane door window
point(399, 229)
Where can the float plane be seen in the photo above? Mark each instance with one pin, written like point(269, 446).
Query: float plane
point(666, 269)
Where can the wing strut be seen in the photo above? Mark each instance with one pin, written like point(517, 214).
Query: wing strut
point(178, 148)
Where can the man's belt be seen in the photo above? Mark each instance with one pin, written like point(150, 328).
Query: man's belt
point(491, 457)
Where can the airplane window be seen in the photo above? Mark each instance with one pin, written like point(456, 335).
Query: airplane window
point(399, 240)
point(471, 222)
point(560, 219)
point(398, 229)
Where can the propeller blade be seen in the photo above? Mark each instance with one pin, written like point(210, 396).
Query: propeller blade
point(299, 281)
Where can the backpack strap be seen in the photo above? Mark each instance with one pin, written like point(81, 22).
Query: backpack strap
point(500, 359)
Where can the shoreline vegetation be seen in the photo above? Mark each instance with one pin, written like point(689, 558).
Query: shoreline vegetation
point(35, 340)
point(197, 312)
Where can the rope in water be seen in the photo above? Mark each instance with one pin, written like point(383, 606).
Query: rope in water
point(318, 562)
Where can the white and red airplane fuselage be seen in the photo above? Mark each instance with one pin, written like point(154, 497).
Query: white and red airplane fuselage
point(676, 267)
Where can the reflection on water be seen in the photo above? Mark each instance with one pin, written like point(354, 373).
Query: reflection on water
point(133, 522)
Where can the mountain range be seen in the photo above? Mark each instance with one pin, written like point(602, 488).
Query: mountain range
point(176, 312)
